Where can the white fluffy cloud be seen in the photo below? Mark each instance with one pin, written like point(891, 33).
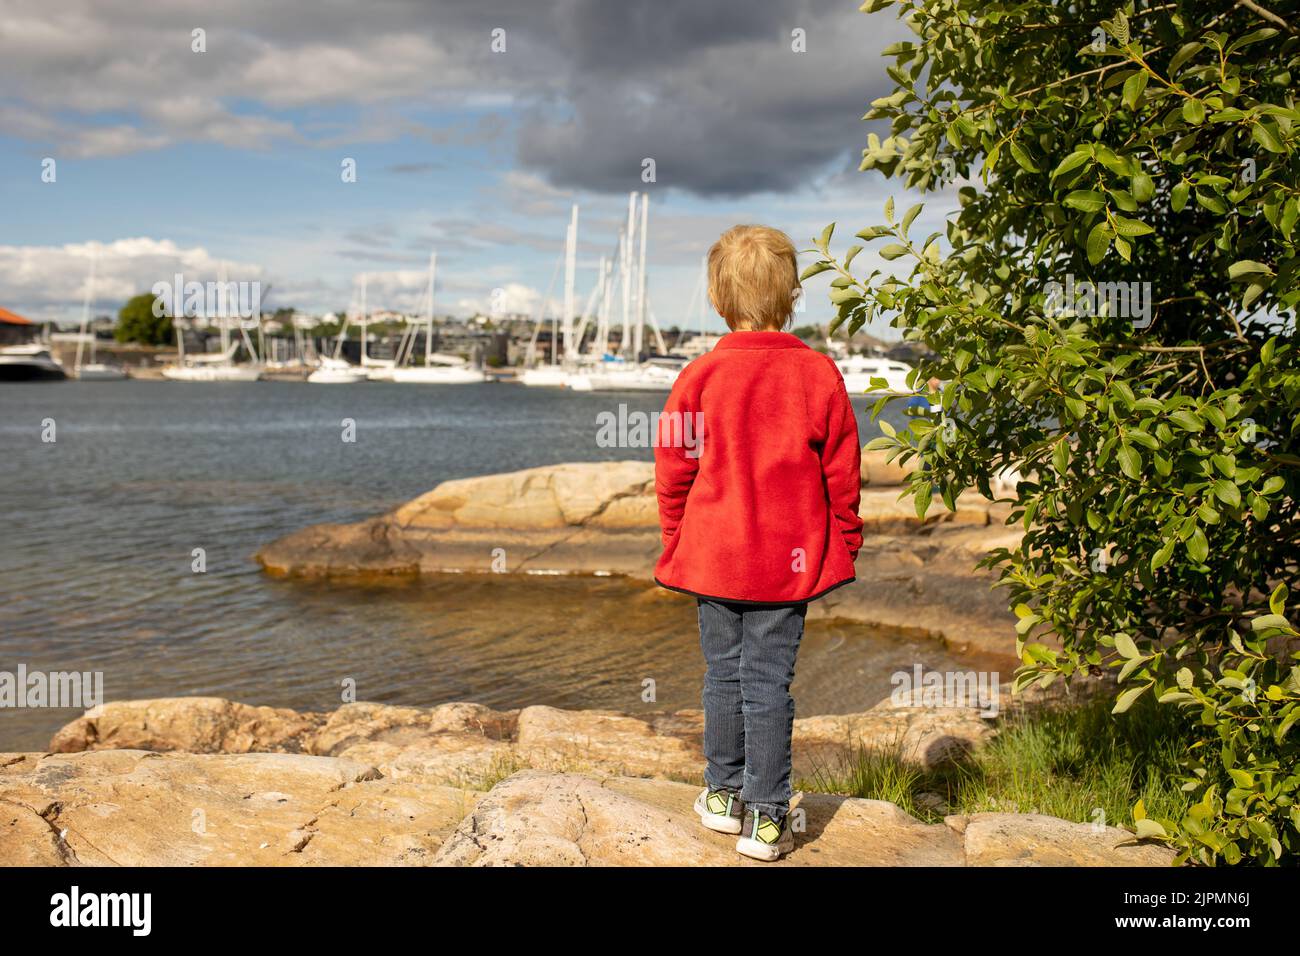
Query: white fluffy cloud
point(51, 281)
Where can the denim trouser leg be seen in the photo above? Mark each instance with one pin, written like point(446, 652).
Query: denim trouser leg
point(748, 710)
point(724, 722)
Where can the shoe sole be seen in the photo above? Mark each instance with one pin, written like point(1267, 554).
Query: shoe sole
point(758, 850)
point(718, 824)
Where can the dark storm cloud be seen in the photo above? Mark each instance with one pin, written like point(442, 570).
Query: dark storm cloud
point(714, 93)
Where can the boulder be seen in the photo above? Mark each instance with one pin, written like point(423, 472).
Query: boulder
point(879, 471)
point(196, 724)
point(1032, 839)
point(137, 808)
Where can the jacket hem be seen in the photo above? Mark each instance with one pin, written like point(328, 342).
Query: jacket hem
point(727, 600)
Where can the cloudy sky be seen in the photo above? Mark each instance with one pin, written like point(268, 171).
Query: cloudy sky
point(167, 159)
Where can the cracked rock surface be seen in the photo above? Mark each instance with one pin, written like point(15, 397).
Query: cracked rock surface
point(461, 784)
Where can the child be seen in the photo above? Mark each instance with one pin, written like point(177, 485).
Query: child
point(759, 516)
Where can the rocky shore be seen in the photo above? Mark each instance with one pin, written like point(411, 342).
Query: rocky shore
point(206, 781)
point(601, 518)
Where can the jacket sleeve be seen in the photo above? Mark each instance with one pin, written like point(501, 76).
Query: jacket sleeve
point(676, 460)
point(842, 468)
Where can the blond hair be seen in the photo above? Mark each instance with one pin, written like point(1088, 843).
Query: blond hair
point(753, 278)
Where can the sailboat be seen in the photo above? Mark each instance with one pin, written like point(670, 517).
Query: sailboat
point(92, 371)
point(220, 367)
point(557, 373)
point(336, 370)
point(439, 368)
point(627, 372)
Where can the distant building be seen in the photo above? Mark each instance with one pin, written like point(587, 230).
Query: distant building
point(14, 329)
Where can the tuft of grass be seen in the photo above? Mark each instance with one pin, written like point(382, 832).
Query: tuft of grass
point(502, 766)
point(1080, 763)
point(880, 774)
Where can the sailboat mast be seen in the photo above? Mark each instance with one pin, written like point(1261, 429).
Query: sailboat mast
point(428, 331)
point(570, 268)
point(365, 359)
point(640, 274)
point(85, 315)
point(222, 310)
point(625, 272)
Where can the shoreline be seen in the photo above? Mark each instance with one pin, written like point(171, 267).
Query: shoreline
point(600, 519)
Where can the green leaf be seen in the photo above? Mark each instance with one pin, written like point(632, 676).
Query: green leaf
point(1130, 462)
point(1099, 241)
point(1226, 491)
point(892, 251)
point(815, 269)
point(1178, 196)
point(1131, 227)
point(1073, 161)
point(1022, 157)
point(1126, 699)
point(1247, 267)
point(1268, 621)
point(1061, 457)
point(1143, 187)
point(1086, 199)
point(1198, 549)
point(1149, 830)
point(1266, 134)
point(910, 216)
point(1161, 557)
point(1193, 111)
point(1133, 88)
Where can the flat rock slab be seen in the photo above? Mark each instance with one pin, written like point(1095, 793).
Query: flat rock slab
point(138, 808)
point(547, 819)
point(537, 818)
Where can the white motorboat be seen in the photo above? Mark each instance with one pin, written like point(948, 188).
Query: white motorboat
point(333, 371)
point(28, 362)
point(859, 370)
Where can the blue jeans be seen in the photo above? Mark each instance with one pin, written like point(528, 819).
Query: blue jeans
point(748, 710)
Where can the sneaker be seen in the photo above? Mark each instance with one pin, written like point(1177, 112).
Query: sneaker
point(764, 838)
point(720, 810)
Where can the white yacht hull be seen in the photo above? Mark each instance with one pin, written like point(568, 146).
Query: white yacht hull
point(545, 376)
point(337, 376)
point(99, 372)
point(646, 378)
point(438, 375)
point(212, 373)
point(859, 383)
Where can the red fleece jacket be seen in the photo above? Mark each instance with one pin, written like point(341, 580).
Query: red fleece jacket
point(757, 472)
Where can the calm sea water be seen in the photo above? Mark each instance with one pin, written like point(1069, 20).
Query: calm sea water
point(99, 527)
